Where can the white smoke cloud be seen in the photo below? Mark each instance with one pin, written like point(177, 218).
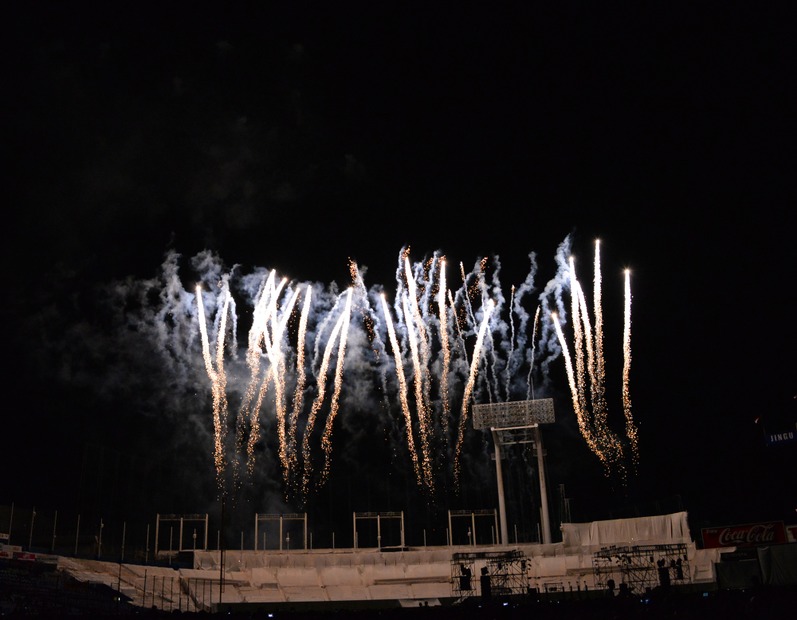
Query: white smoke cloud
point(153, 330)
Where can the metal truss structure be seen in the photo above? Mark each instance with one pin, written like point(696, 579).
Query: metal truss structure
point(641, 568)
point(181, 519)
point(504, 571)
point(379, 517)
point(266, 518)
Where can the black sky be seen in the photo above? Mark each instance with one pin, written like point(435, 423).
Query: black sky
point(299, 138)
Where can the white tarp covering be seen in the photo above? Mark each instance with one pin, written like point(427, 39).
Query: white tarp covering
point(778, 564)
point(659, 529)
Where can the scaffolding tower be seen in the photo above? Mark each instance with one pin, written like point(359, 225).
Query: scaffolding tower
point(504, 571)
point(642, 567)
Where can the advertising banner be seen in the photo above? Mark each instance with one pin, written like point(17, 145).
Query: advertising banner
point(747, 535)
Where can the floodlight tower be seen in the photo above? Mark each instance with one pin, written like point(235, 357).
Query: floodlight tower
point(515, 423)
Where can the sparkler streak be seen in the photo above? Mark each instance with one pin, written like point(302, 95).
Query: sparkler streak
point(217, 376)
point(444, 343)
point(326, 439)
point(480, 357)
point(469, 390)
point(402, 381)
point(630, 426)
point(596, 431)
point(316, 407)
point(298, 393)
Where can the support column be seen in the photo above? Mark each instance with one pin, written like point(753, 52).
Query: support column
point(546, 523)
point(499, 476)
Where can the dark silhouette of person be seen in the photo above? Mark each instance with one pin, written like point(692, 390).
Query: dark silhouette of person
point(679, 569)
point(464, 579)
point(664, 574)
point(484, 582)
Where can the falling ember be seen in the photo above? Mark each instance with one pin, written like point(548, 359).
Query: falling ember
point(326, 439)
point(419, 345)
point(420, 402)
point(578, 338)
point(276, 357)
point(630, 426)
point(316, 407)
point(512, 346)
point(466, 294)
point(298, 393)
point(580, 409)
point(265, 305)
point(606, 441)
point(402, 381)
point(474, 365)
point(217, 379)
point(445, 341)
point(530, 378)
point(597, 306)
point(595, 427)
point(254, 422)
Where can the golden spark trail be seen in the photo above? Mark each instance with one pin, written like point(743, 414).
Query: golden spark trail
point(599, 405)
point(266, 304)
point(530, 379)
point(605, 440)
point(253, 354)
point(609, 440)
point(422, 373)
point(276, 357)
point(599, 397)
point(443, 310)
point(578, 337)
point(466, 294)
point(460, 337)
point(221, 376)
point(597, 432)
point(427, 351)
point(316, 406)
point(265, 307)
point(217, 382)
point(265, 313)
point(326, 439)
point(511, 342)
point(581, 414)
point(469, 389)
point(203, 331)
point(630, 427)
point(420, 403)
point(405, 407)
point(254, 422)
point(587, 342)
point(298, 393)
point(571, 379)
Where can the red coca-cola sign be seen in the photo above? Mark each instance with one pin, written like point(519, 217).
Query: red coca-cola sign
point(748, 535)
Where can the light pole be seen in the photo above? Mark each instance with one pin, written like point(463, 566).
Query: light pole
point(55, 522)
point(32, 519)
point(511, 423)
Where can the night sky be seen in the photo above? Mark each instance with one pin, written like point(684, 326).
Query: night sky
point(231, 142)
